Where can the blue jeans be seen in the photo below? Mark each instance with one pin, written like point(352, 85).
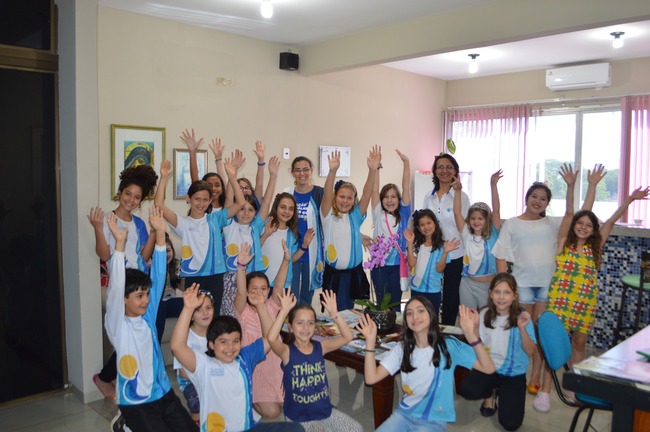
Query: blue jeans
point(300, 283)
point(399, 422)
point(386, 280)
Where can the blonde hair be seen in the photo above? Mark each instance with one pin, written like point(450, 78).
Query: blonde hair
point(335, 210)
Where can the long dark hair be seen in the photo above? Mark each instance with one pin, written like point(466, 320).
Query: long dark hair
point(545, 188)
point(222, 198)
point(515, 309)
point(382, 195)
point(436, 237)
point(434, 337)
point(435, 179)
point(595, 239)
point(172, 266)
point(292, 223)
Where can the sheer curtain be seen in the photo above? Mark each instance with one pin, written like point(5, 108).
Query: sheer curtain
point(635, 153)
point(488, 139)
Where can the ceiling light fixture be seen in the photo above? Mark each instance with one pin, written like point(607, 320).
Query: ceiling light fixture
point(266, 9)
point(473, 64)
point(617, 42)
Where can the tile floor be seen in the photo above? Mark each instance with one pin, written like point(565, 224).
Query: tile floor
point(64, 412)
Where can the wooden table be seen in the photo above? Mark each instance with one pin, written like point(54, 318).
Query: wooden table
point(625, 396)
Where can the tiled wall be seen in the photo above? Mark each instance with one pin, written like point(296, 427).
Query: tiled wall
point(621, 256)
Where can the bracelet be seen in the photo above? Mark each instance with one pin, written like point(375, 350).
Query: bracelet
point(241, 265)
point(335, 316)
point(476, 342)
point(261, 163)
point(370, 351)
point(217, 160)
point(304, 249)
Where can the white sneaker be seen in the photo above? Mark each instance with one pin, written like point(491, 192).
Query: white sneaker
point(118, 424)
point(542, 402)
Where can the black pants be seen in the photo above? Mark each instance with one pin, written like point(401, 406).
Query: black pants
point(512, 395)
point(165, 414)
point(450, 291)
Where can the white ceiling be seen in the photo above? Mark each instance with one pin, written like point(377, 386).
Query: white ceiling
point(303, 22)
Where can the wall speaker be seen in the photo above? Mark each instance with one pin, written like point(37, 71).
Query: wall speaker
point(289, 61)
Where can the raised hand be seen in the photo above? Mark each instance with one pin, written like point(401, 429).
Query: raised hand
point(469, 320)
point(402, 156)
point(274, 165)
point(96, 217)
point(260, 147)
point(450, 245)
point(229, 166)
point(287, 300)
point(285, 250)
point(456, 184)
point(119, 234)
point(367, 328)
point(523, 319)
point(190, 140)
point(374, 158)
point(329, 302)
point(257, 298)
point(596, 175)
point(494, 179)
point(269, 228)
point(192, 298)
point(156, 219)
point(165, 168)
point(409, 235)
point(309, 236)
point(217, 148)
point(568, 174)
point(334, 160)
point(237, 158)
point(245, 256)
point(640, 193)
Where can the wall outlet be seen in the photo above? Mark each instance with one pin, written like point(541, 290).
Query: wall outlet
point(286, 154)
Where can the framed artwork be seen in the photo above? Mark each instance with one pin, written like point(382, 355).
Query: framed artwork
point(182, 178)
point(132, 146)
point(346, 155)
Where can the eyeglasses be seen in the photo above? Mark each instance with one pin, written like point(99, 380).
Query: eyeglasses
point(447, 167)
point(301, 170)
point(245, 188)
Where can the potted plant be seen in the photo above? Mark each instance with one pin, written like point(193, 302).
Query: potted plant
point(381, 313)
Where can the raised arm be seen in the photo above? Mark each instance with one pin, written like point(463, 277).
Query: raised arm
point(96, 219)
point(606, 228)
point(159, 200)
point(269, 194)
point(458, 204)
point(287, 302)
point(406, 178)
point(192, 299)
point(593, 178)
point(158, 224)
point(258, 301)
point(569, 176)
point(281, 277)
point(237, 159)
point(243, 258)
point(260, 148)
point(192, 145)
point(306, 241)
point(449, 246)
point(217, 151)
point(329, 302)
point(374, 197)
point(409, 236)
point(469, 321)
point(371, 372)
point(496, 202)
point(374, 159)
point(526, 342)
point(334, 160)
point(231, 172)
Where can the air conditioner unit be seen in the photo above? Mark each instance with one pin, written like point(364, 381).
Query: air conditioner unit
point(579, 77)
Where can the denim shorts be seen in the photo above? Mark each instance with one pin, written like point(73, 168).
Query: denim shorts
point(530, 295)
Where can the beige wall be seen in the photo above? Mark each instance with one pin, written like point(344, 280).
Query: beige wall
point(628, 77)
point(161, 73)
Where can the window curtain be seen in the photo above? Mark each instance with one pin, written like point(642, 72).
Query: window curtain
point(488, 139)
point(635, 153)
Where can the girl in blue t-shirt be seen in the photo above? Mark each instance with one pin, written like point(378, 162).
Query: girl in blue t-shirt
point(202, 259)
point(508, 334)
point(306, 391)
point(426, 359)
point(391, 213)
point(342, 214)
point(479, 232)
point(428, 253)
point(246, 227)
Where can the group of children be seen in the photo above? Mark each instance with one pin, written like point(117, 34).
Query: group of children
point(240, 289)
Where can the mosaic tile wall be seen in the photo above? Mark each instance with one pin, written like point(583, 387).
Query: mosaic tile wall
point(621, 256)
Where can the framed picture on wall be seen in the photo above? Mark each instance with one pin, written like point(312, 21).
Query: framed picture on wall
point(182, 178)
point(132, 146)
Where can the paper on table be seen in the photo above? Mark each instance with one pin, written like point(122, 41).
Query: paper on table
point(633, 371)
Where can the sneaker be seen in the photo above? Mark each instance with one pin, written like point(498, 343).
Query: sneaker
point(542, 402)
point(118, 424)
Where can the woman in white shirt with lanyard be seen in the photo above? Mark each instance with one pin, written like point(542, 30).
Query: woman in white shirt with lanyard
point(441, 201)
